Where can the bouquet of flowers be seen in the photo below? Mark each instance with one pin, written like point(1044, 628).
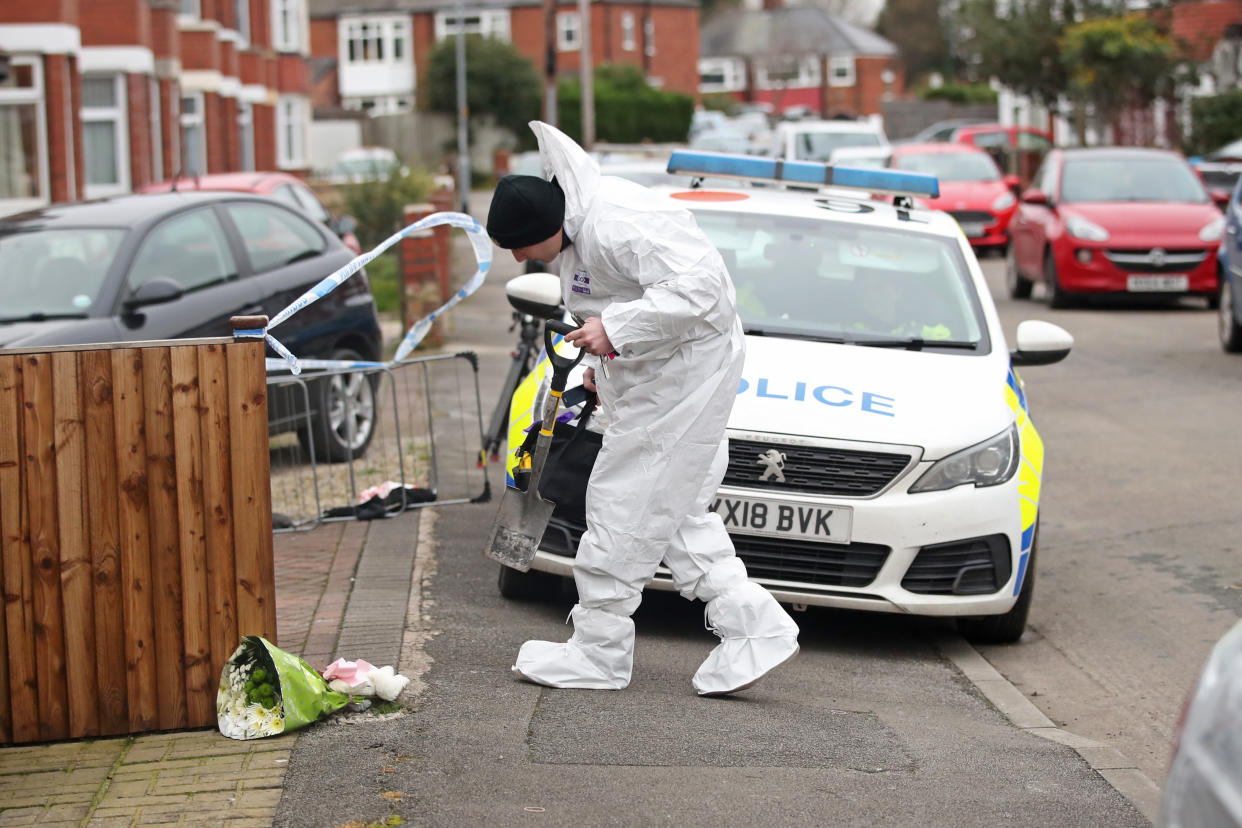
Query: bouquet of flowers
point(265, 691)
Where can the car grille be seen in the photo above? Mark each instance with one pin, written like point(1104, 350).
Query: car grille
point(977, 216)
point(1140, 261)
point(825, 564)
point(977, 566)
point(815, 469)
point(779, 559)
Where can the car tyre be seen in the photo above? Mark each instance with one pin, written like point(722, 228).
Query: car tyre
point(1227, 320)
point(1008, 627)
point(522, 586)
point(344, 412)
point(1057, 297)
point(1019, 286)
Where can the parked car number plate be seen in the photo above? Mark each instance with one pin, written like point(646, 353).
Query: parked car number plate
point(973, 229)
point(1148, 284)
point(785, 519)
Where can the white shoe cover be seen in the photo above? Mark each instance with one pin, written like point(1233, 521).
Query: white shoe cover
point(599, 655)
point(756, 635)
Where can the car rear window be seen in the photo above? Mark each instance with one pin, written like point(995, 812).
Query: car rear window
point(1130, 179)
point(818, 146)
point(54, 272)
point(828, 278)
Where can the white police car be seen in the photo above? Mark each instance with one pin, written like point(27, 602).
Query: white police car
point(880, 453)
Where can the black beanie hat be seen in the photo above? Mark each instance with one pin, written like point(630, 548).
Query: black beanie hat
point(525, 210)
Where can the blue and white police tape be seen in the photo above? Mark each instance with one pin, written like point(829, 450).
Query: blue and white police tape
point(482, 253)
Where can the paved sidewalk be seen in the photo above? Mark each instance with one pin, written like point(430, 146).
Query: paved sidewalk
point(342, 588)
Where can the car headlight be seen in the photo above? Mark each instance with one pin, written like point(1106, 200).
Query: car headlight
point(1003, 201)
point(1083, 229)
point(989, 463)
point(1213, 230)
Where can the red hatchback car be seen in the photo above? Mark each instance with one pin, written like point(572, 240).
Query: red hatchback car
point(281, 186)
point(972, 189)
point(1115, 220)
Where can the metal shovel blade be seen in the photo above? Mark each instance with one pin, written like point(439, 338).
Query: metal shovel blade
point(519, 526)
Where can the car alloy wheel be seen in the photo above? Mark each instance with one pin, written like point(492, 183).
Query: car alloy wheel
point(1019, 286)
point(1227, 319)
point(1057, 297)
point(344, 412)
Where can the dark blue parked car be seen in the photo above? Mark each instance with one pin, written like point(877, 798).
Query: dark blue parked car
point(174, 265)
point(1229, 258)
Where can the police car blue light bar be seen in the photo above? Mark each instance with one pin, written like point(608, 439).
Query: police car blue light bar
point(753, 168)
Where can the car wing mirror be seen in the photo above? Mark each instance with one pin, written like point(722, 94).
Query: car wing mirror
point(1013, 181)
point(154, 292)
point(536, 294)
point(1221, 197)
point(1041, 343)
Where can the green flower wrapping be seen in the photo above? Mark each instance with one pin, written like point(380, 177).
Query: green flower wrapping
point(265, 691)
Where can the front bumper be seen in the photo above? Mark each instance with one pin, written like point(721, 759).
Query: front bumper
point(1100, 274)
point(889, 532)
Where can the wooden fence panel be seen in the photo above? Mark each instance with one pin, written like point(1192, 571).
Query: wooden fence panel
point(135, 533)
point(75, 560)
point(252, 491)
point(131, 472)
point(95, 373)
point(39, 436)
point(15, 553)
point(165, 556)
point(213, 388)
point(200, 685)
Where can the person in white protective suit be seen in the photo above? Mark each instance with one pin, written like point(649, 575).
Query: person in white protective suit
point(653, 292)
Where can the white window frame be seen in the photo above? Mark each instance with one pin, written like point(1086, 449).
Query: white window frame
point(568, 32)
point(241, 11)
point(25, 97)
point(190, 120)
point(731, 70)
point(195, 14)
point(649, 36)
point(485, 22)
point(808, 75)
point(385, 30)
point(157, 129)
point(628, 31)
point(118, 115)
point(291, 37)
point(845, 62)
point(245, 135)
point(292, 127)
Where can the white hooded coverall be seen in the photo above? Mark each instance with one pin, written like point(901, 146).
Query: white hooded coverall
point(668, 306)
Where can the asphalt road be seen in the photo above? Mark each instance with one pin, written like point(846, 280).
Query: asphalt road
point(1140, 520)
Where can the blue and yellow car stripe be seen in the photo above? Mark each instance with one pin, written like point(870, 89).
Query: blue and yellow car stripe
point(1030, 470)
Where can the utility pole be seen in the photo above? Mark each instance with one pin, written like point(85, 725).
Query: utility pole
point(549, 62)
point(586, 76)
point(463, 113)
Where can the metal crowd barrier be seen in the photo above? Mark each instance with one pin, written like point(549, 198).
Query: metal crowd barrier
point(424, 423)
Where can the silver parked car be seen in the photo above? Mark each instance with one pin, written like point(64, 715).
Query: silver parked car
point(1204, 787)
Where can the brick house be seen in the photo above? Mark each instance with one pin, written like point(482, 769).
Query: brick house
point(381, 53)
point(801, 56)
point(105, 96)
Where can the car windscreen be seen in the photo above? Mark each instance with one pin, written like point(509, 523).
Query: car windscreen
point(1130, 179)
point(951, 166)
point(840, 281)
point(45, 272)
point(818, 146)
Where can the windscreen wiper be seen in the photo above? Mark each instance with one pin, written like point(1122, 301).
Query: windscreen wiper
point(790, 333)
point(40, 316)
point(918, 343)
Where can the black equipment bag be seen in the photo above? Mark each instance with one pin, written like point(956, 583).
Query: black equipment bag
point(568, 467)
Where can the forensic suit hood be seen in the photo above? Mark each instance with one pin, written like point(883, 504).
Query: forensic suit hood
point(642, 265)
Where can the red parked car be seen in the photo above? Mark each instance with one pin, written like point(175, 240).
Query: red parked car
point(1115, 220)
point(281, 186)
point(989, 136)
point(972, 189)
